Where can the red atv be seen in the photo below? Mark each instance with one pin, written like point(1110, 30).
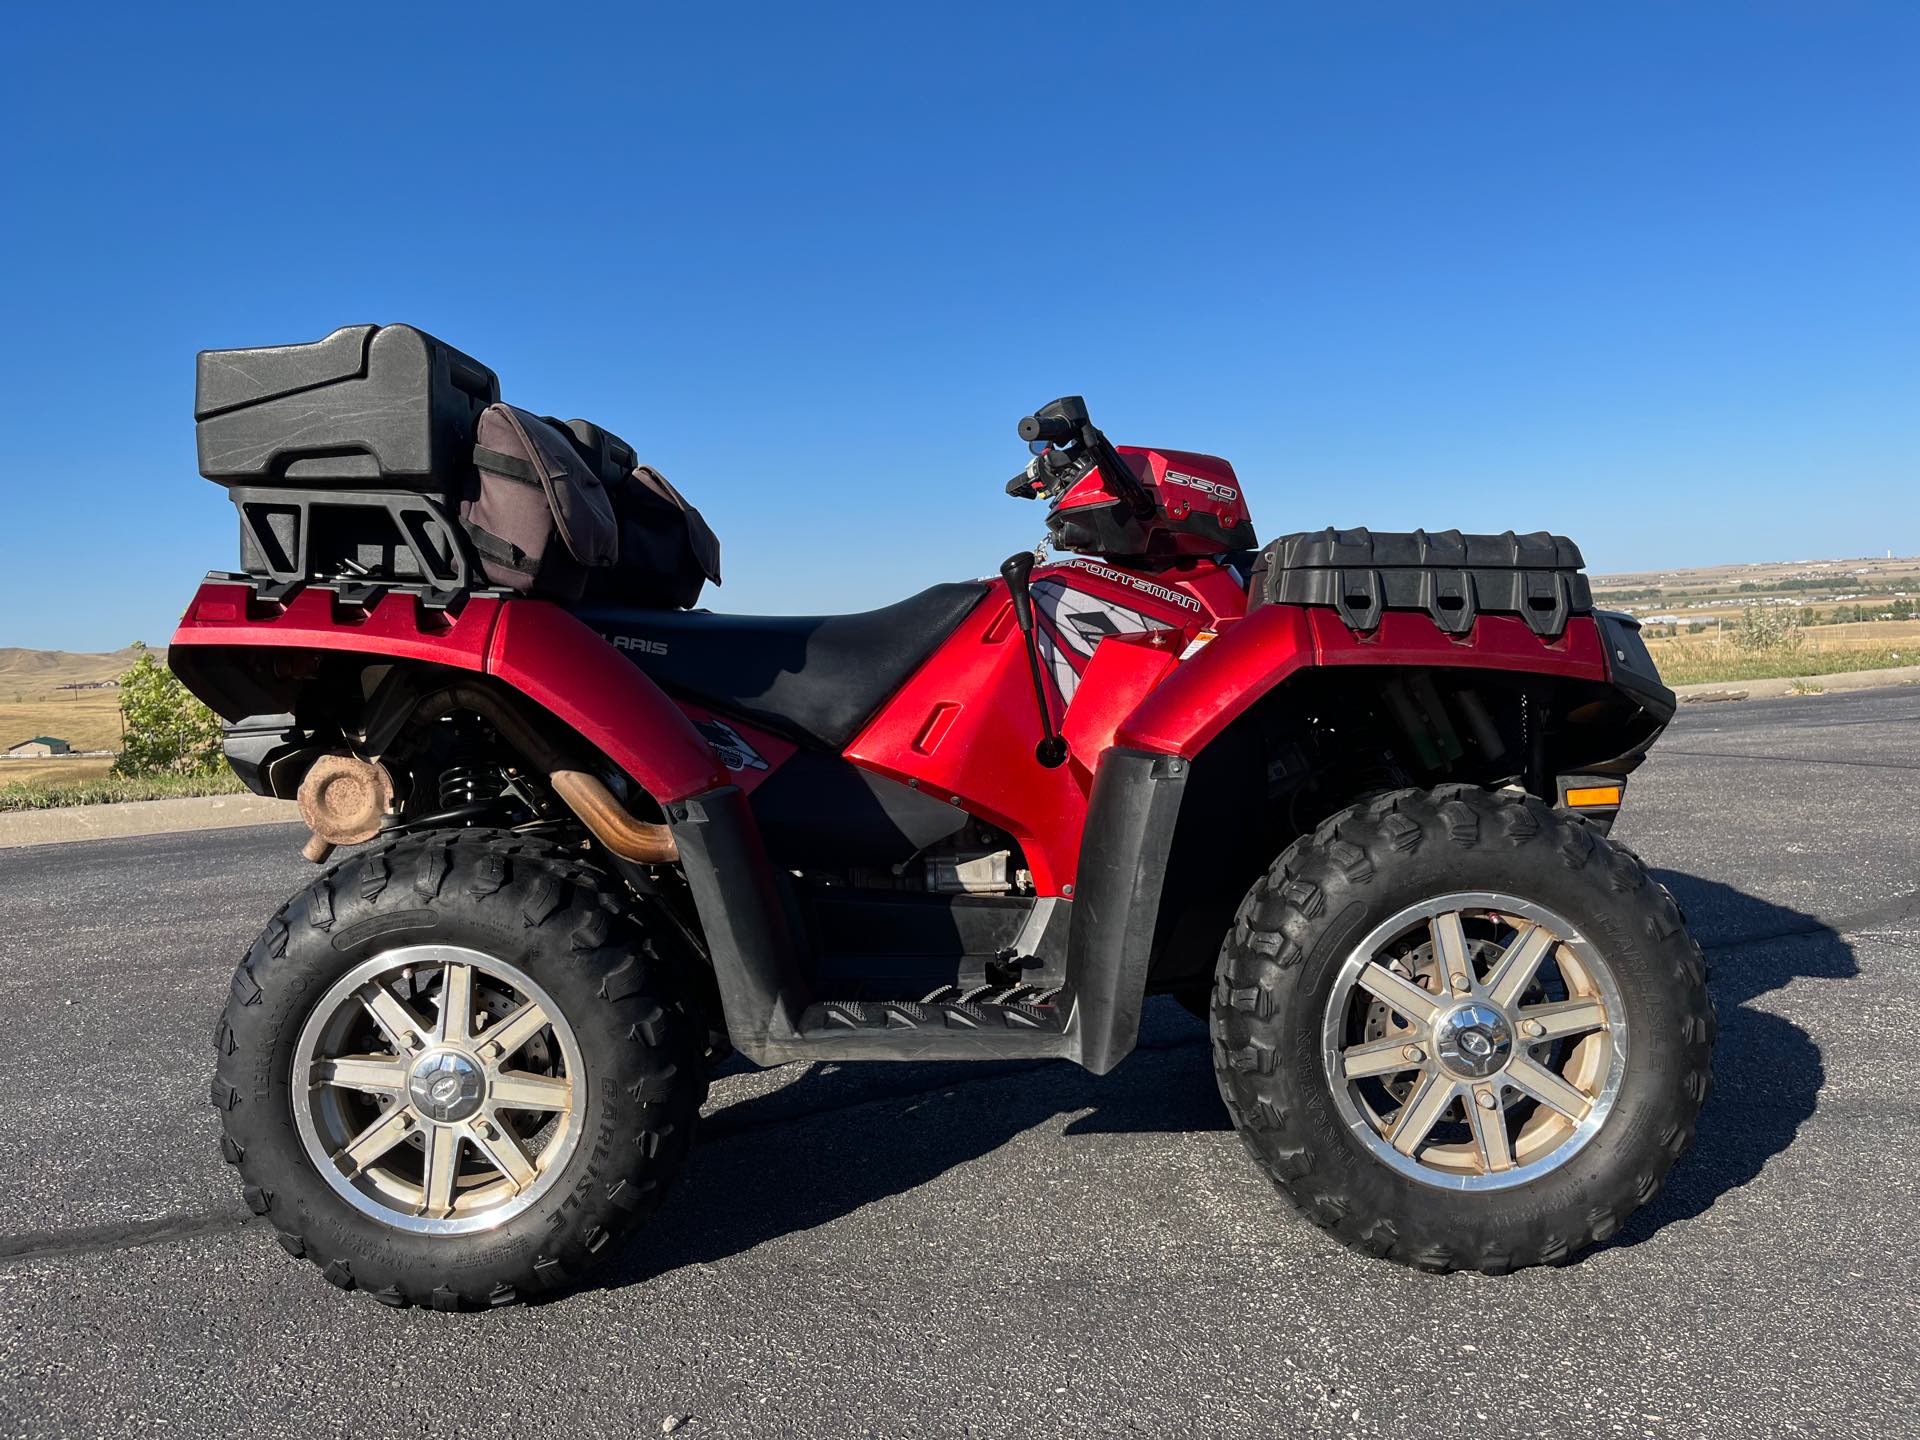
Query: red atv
point(1345, 796)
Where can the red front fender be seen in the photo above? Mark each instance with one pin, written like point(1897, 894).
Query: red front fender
point(537, 648)
point(1203, 696)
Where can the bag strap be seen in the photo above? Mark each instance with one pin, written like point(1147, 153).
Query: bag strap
point(511, 466)
point(501, 552)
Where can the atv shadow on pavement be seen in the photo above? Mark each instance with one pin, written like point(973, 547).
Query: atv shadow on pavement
point(846, 1136)
point(1767, 1071)
point(841, 1137)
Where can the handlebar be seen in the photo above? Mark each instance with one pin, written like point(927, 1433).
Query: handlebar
point(1066, 422)
point(1054, 429)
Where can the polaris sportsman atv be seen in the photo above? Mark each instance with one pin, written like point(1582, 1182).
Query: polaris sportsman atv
point(1345, 796)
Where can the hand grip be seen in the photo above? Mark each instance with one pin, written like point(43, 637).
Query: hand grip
point(1053, 429)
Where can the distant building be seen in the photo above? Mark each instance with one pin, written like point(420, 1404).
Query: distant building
point(39, 747)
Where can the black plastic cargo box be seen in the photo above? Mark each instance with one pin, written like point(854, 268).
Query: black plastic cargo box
point(369, 407)
point(1452, 577)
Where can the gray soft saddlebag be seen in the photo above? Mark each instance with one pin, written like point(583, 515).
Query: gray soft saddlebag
point(538, 514)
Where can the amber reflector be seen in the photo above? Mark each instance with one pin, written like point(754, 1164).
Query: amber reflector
point(1594, 795)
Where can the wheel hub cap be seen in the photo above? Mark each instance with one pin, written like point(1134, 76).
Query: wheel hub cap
point(1474, 1041)
point(438, 1089)
point(446, 1085)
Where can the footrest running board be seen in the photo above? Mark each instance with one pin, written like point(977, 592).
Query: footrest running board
point(933, 1029)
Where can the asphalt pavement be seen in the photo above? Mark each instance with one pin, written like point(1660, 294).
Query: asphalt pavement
point(951, 1250)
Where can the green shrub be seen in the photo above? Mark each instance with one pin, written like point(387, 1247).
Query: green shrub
point(168, 731)
point(1766, 629)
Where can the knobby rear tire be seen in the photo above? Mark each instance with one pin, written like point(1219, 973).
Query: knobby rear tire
point(563, 922)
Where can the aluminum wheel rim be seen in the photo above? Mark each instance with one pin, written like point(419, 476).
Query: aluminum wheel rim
point(1475, 1041)
point(438, 1089)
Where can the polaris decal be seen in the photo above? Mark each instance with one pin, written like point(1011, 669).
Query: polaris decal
point(1205, 487)
point(1076, 622)
point(1120, 577)
point(638, 644)
point(728, 743)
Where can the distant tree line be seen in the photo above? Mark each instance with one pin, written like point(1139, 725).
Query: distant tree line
point(1849, 583)
point(1902, 609)
point(1833, 584)
point(1793, 619)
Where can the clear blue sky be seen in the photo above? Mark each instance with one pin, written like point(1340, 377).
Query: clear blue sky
point(1648, 275)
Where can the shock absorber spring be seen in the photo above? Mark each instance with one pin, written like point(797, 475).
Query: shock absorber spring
point(467, 781)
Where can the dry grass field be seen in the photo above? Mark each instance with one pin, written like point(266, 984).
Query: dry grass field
point(54, 772)
point(85, 719)
point(1822, 650)
point(1900, 637)
point(32, 702)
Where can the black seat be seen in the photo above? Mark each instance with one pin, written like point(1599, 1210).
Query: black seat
point(813, 677)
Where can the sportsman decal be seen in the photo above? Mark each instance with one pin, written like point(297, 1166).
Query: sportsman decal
point(1121, 577)
point(1075, 622)
point(734, 752)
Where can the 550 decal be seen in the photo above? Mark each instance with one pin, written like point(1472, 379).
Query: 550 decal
point(1203, 485)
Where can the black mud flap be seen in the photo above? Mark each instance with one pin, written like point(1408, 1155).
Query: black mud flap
point(749, 935)
point(1123, 866)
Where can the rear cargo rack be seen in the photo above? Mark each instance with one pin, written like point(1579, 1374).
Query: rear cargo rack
point(385, 537)
point(346, 458)
point(355, 592)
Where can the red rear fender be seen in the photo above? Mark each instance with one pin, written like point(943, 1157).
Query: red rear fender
point(570, 671)
point(553, 660)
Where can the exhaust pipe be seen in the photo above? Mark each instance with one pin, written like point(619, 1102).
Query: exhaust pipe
point(636, 840)
point(349, 796)
point(640, 841)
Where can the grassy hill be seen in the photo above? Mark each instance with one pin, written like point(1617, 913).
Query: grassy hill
point(32, 703)
point(36, 671)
